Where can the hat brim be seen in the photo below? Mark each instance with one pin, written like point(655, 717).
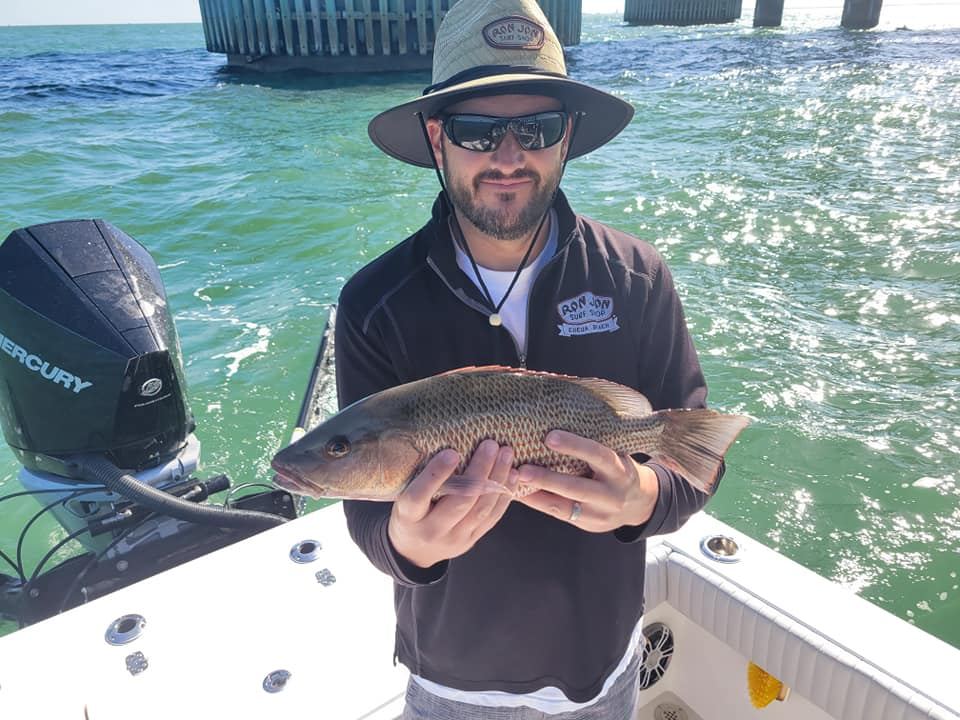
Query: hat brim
point(398, 133)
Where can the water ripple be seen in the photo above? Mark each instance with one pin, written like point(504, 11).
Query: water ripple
point(803, 184)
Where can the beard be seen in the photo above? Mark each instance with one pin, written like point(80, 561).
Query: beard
point(502, 223)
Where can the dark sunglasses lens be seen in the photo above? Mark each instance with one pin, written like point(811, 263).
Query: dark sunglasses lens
point(483, 134)
point(474, 132)
point(539, 131)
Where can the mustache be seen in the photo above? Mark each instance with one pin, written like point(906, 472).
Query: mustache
point(496, 175)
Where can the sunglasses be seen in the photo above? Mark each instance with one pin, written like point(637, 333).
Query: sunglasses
point(482, 133)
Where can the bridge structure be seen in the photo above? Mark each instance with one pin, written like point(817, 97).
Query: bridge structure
point(343, 35)
point(337, 36)
point(857, 14)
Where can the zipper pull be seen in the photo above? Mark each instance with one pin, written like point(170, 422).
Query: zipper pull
point(523, 361)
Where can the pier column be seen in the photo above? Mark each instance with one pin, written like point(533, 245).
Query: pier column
point(345, 35)
point(861, 14)
point(681, 12)
point(768, 13)
point(565, 18)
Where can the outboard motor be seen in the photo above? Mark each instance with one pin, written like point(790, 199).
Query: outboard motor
point(92, 397)
point(89, 355)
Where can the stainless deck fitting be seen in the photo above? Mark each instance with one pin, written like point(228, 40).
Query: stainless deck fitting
point(125, 629)
point(305, 551)
point(721, 548)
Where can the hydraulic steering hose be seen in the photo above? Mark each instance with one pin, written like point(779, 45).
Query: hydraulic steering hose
point(97, 468)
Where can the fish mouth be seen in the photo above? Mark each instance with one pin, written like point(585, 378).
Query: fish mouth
point(291, 481)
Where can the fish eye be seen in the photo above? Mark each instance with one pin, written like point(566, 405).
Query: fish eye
point(338, 447)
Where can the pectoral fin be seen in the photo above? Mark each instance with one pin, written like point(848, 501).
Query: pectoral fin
point(471, 487)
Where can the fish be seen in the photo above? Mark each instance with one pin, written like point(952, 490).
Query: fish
point(373, 448)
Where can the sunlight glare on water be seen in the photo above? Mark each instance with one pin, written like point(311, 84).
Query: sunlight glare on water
point(802, 182)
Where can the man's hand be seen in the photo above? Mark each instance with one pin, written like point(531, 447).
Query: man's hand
point(621, 491)
point(426, 532)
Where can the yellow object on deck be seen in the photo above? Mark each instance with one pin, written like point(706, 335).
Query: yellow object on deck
point(764, 688)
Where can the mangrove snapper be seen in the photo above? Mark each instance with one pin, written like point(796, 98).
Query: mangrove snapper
point(373, 448)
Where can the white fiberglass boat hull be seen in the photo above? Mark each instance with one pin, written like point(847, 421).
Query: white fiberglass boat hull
point(217, 628)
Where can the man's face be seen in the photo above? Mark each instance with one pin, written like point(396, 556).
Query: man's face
point(506, 192)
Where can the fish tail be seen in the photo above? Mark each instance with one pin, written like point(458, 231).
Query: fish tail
point(694, 441)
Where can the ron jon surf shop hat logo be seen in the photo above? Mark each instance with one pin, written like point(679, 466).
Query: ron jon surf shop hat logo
point(514, 32)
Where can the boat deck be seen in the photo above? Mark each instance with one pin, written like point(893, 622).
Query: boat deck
point(221, 631)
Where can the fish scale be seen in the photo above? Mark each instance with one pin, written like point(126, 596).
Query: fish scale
point(375, 447)
point(462, 409)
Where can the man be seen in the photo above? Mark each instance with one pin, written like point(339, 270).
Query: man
point(530, 608)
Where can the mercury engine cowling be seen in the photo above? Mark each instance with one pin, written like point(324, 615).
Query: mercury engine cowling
point(89, 356)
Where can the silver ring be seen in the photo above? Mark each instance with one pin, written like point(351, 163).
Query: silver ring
point(575, 512)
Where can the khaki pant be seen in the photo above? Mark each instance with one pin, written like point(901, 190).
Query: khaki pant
point(618, 704)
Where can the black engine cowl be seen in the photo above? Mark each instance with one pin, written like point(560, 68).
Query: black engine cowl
point(89, 356)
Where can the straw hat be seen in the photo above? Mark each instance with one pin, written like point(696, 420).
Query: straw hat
point(496, 47)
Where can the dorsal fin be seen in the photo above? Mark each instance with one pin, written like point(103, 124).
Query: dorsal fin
point(480, 368)
point(624, 401)
point(506, 369)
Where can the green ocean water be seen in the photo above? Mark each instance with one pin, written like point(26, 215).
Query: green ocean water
point(802, 183)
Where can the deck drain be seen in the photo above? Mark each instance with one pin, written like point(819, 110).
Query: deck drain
point(669, 711)
point(305, 551)
point(657, 652)
point(276, 681)
point(125, 629)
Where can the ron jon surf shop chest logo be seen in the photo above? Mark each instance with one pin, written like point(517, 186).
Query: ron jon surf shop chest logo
point(586, 314)
point(514, 33)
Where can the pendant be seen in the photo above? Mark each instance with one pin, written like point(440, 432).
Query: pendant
point(495, 320)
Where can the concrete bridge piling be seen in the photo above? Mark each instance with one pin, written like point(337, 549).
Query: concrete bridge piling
point(681, 12)
point(343, 35)
point(861, 14)
point(857, 14)
point(338, 36)
point(768, 13)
